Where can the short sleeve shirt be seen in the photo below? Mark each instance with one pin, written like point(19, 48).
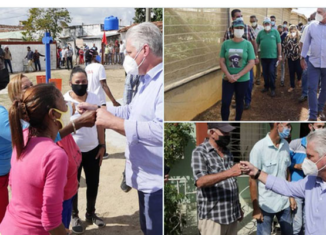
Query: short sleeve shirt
point(237, 56)
point(219, 202)
point(268, 43)
point(274, 161)
point(96, 73)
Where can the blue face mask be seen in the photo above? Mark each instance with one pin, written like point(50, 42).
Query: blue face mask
point(285, 133)
point(273, 23)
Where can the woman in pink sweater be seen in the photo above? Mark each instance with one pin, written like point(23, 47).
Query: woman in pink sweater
point(38, 166)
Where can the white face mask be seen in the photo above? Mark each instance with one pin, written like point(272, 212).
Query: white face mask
point(130, 64)
point(319, 17)
point(310, 168)
point(238, 33)
point(267, 28)
point(293, 34)
point(254, 24)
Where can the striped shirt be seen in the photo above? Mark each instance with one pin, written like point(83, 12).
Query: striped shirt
point(220, 202)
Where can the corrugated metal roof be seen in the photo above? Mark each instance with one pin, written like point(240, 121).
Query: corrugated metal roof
point(11, 35)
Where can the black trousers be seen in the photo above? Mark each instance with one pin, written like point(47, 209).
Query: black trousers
point(294, 68)
point(92, 175)
point(69, 61)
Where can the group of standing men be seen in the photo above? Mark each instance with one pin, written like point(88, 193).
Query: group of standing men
point(294, 197)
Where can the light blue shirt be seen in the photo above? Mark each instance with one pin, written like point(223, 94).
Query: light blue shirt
point(273, 161)
point(5, 142)
point(315, 39)
point(313, 190)
point(144, 132)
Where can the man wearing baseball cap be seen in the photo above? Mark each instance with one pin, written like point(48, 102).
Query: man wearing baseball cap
point(217, 191)
point(269, 41)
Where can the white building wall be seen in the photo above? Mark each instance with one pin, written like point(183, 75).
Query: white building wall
point(19, 51)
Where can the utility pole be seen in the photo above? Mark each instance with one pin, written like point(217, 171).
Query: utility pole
point(148, 14)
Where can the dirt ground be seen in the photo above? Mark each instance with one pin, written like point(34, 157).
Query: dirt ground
point(118, 209)
point(284, 106)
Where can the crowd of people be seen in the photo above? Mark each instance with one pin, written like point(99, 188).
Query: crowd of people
point(286, 180)
point(47, 139)
point(114, 53)
point(298, 46)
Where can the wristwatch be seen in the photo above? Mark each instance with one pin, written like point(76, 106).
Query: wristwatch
point(102, 146)
point(257, 174)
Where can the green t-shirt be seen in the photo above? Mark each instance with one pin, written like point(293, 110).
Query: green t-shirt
point(237, 56)
point(268, 43)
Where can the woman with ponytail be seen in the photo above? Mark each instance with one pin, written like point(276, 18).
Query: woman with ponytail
point(38, 166)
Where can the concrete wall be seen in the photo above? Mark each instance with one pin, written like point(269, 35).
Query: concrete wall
point(19, 51)
point(186, 101)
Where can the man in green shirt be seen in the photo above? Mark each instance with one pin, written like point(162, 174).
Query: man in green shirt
point(271, 53)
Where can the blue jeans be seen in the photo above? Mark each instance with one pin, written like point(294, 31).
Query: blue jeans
point(269, 72)
point(228, 88)
point(305, 79)
point(66, 212)
point(298, 219)
point(249, 90)
point(284, 218)
point(315, 104)
point(150, 212)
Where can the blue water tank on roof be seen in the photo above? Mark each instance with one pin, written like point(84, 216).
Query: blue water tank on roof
point(111, 23)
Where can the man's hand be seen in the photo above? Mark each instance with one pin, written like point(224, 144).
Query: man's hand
point(235, 170)
point(303, 64)
point(256, 214)
point(257, 61)
point(279, 58)
point(116, 103)
point(231, 78)
point(104, 118)
point(298, 166)
point(87, 119)
point(293, 203)
point(248, 168)
point(100, 155)
point(83, 106)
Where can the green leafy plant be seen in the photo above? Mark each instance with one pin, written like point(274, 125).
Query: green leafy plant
point(176, 138)
point(173, 218)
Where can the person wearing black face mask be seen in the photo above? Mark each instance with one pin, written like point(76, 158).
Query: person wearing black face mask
point(92, 145)
point(217, 191)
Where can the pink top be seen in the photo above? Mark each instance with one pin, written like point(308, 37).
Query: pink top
point(37, 181)
point(74, 159)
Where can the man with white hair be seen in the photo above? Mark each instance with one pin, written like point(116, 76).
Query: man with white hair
point(142, 123)
point(315, 40)
point(298, 154)
point(311, 188)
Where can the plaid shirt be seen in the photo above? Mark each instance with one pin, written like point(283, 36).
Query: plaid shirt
point(249, 33)
point(219, 202)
